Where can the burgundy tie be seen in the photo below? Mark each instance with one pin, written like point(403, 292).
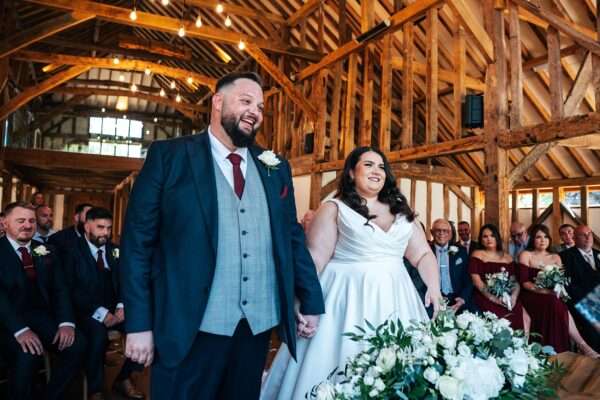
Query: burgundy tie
point(238, 177)
point(100, 261)
point(27, 263)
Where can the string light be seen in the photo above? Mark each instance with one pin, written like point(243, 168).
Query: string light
point(172, 85)
point(162, 93)
point(228, 21)
point(121, 78)
point(198, 22)
point(133, 15)
point(181, 31)
point(155, 119)
point(219, 8)
point(165, 2)
point(103, 109)
point(116, 60)
point(124, 116)
point(241, 45)
point(178, 98)
point(134, 87)
point(190, 80)
point(147, 71)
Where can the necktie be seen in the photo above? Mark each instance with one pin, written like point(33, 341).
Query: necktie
point(100, 261)
point(446, 283)
point(238, 177)
point(27, 263)
point(589, 257)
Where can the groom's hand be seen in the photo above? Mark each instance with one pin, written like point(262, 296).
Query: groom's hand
point(140, 347)
point(307, 325)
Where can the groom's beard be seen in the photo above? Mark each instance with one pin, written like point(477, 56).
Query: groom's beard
point(239, 138)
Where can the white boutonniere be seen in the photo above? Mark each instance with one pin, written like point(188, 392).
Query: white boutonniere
point(115, 253)
point(270, 160)
point(41, 250)
point(452, 250)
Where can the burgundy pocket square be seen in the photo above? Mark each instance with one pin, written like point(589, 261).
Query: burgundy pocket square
point(284, 192)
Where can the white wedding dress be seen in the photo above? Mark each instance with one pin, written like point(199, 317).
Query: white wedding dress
point(365, 280)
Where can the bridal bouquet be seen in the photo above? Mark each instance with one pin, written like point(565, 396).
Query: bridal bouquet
point(452, 357)
point(553, 277)
point(501, 284)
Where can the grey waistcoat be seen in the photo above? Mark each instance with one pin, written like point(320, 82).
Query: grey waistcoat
point(244, 284)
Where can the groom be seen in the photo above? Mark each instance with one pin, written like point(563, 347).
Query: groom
point(205, 280)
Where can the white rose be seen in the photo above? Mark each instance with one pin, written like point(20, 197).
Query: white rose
point(519, 362)
point(41, 250)
point(450, 388)
point(448, 340)
point(386, 359)
point(269, 158)
point(325, 391)
point(453, 249)
point(518, 381)
point(484, 380)
point(518, 342)
point(534, 364)
point(116, 253)
point(464, 319)
point(379, 385)
point(373, 393)
point(548, 268)
point(464, 350)
point(369, 380)
point(431, 374)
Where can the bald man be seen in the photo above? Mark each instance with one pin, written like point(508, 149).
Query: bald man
point(456, 284)
point(518, 239)
point(582, 263)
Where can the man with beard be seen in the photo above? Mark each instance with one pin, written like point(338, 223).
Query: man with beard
point(91, 268)
point(35, 309)
point(45, 218)
point(67, 238)
point(208, 279)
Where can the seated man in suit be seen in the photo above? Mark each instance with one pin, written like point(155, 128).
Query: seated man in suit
point(456, 284)
point(67, 238)
point(35, 310)
point(582, 265)
point(464, 233)
point(45, 219)
point(92, 272)
point(567, 237)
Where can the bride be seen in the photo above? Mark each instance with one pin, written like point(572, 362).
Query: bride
point(358, 241)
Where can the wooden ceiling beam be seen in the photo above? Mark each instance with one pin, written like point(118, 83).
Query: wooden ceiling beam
point(38, 32)
point(155, 46)
point(120, 15)
point(444, 75)
point(550, 183)
point(473, 25)
point(232, 9)
point(34, 91)
point(543, 60)
point(396, 21)
point(307, 8)
point(123, 64)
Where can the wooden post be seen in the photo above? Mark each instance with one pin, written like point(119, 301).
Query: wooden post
point(385, 122)
point(315, 190)
point(366, 119)
point(431, 108)
point(320, 99)
point(429, 208)
point(6, 189)
point(556, 214)
point(515, 205)
point(516, 68)
point(407, 86)
point(478, 204)
point(596, 64)
point(446, 202)
point(583, 190)
point(19, 190)
point(335, 112)
point(534, 205)
point(460, 62)
point(555, 70)
point(413, 193)
point(348, 120)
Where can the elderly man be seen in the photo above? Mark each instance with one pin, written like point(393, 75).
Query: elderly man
point(582, 264)
point(518, 239)
point(456, 283)
point(45, 220)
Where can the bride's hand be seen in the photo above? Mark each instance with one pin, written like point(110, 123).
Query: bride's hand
point(433, 298)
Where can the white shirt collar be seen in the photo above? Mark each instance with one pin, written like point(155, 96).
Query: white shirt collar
point(466, 243)
point(95, 249)
point(586, 253)
point(438, 247)
point(16, 245)
point(221, 152)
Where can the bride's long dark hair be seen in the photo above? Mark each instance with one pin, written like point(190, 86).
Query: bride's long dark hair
point(389, 194)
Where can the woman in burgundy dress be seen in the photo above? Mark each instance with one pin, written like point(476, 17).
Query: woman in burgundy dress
point(490, 260)
point(550, 317)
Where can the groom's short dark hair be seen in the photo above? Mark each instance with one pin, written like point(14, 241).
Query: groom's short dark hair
point(234, 76)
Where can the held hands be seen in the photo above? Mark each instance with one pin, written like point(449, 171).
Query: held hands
point(433, 297)
point(110, 320)
point(30, 343)
point(65, 336)
point(458, 303)
point(120, 314)
point(306, 325)
point(140, 347)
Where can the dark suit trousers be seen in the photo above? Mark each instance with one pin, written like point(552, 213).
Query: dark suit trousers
point(25, 365)
point(217, 367)
point(96, 334)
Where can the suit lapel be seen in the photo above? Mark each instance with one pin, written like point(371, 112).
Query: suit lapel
point(41, 270)
point(89, 259)
point(13, 258)
point(201, 164)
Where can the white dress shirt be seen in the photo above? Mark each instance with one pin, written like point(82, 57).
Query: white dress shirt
point(16, 246)
point(100, 313)
point(220, 153)
point(44, 239)
point(589, 257)
point(466, 245)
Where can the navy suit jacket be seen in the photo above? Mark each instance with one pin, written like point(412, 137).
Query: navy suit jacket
point(583, 278)
point(84, 280)
point(13, 294)
point(168, 248)
point(64, 239)
point(462, 285)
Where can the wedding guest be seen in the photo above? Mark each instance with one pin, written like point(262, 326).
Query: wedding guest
point(91, 267)
point(44, 218)
point(35, 310)
point(38, 199)
point(518, 240)
point(582, 264)
point(550, 316)
point(464, 233)
point(66, 238)
point(307, 220)
point(456, 283)
point(2, 226)
point(492, 259)
point(567, 236)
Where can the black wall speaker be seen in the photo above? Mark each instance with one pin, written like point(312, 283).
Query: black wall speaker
point(309, 142)
point(473, 111)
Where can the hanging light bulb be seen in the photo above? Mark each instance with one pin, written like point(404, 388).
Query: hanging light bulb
point(241, 45)
point(165, 2)
point(121, 78)
point(178, 98)
point(162, 93)
point(124, 116)
point(103, 109)
point(219, 8)
point(147, 71)
point(181, 31)
point(198, 22)
point(116, 60)
point(133, 15)
point(172, 85)
point(190, 80)
point(155, 119)
point(134, 87)
point(228, 21)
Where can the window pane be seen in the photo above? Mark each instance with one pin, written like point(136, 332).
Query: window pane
point(94, 147)
point(121, 150)
point(108, 149)
point(108, 126)
point(594, 198)
point(95, 125)
point(573, 199)
point(545, 199)
point(135, 150)
point(136, 129)
point(525, 200)
point(123, 127)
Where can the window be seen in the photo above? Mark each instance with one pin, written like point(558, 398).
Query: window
point(96, 125)
point(121, 150)
point(135, 129)
point(120, 127)
point(544, 200)
point(135, 150)
point(123, 127)
point(594, 198)
point(525, 200)
point(94, 146)
point(573, 199)
point(108, 126)
point(108, 149)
